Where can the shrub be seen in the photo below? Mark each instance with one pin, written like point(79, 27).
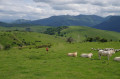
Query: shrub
point(42, 46)
point(28, 29)
point(57, 30)
point(103, 40)
point(96, 39)
point(20, 45)
point(89, 39)
point(70, 39)
point(7, 47)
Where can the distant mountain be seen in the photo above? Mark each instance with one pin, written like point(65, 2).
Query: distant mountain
point(14, 24)
point(3, 24)
point(20, 21)
point(67, 20)
point(112, 24)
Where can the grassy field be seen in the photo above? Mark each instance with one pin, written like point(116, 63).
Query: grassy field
point(38, 64)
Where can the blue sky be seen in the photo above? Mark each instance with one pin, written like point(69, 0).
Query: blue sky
point(38, 9)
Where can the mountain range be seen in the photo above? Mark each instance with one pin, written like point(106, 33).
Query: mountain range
point(3, 24)
point(111, 23)
point(21, 21)
point(63, 20)
point(67, 20)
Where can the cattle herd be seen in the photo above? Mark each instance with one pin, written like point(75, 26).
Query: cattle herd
point(101, 52)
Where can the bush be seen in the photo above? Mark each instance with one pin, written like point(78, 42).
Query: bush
point(103, 40)
point(89, 39)
point(28, 29)
point(20, 45)
point(96, 39)
point(42, 46)
point(7, 47)
point(70, 39)
point(56, 30)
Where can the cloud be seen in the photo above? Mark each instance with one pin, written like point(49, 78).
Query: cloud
point(55, 1)
point(20, 9)
point(92, 2)
point(83, 6)
point(37, 9)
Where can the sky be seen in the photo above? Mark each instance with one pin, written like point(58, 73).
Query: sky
point(39, 9)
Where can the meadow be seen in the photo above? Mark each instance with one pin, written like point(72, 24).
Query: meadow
point(32, 62)
point(80, 33)
point(55, 64)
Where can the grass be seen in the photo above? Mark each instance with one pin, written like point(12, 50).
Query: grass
point(33, 28)
point(55, 64)
point(38, 64)
point(16, 37)
point(80, 33)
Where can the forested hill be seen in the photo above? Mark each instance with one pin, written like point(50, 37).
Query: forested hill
point(67, 20)
point(112, 24)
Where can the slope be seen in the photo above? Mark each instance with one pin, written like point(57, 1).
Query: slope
point(112, 24)
point(27, 39)
point(80, 33)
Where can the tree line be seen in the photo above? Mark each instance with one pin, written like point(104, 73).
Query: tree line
point(55, 31)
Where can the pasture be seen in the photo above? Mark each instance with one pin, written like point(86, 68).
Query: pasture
point(38, 64)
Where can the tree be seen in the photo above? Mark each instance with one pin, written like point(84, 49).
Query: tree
point(89, 39)
point(28, 29)
point(111, 40)
point(7, 47)
point(97, 38)
point(70, 39)
point(103, 40)
point(55, 30)
point(50, 31)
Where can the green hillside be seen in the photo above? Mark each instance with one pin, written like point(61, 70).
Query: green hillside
point(32, 28)
point(111, 24)
point(27, 39)
point(34, 63)
point(80, 33)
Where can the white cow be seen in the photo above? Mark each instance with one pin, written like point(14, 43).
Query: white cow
point(106, 49)
point(112, 51)
point(104, 53)
point(87, 55)
point(72, 54)
point(117, 50)
point(117, 58)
